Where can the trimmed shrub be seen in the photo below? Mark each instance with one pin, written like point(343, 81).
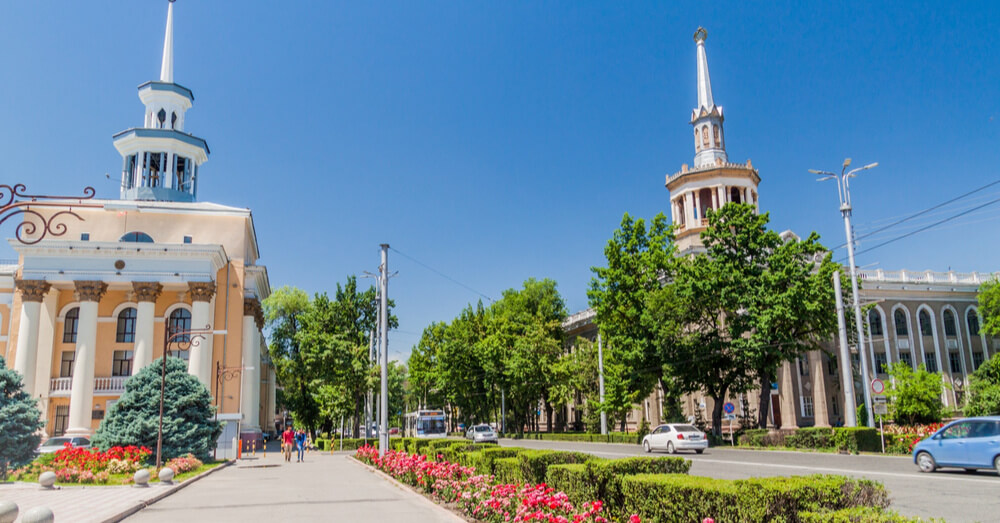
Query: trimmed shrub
point(611, 437)
point(856, 515)
point(606, 476)
point(455, 450)
point(575, 480)
point(678, 497)
point(857, 439)
point(323, 444)
point(535, 463)
point(490, 455)
point(762, 438)
point(508, 470)
point(811, 438)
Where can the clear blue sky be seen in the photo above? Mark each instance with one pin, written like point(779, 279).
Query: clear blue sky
point(500, 141)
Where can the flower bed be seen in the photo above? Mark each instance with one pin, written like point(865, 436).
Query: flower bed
point(900, 439)
point(478, 495)
point(115, 466)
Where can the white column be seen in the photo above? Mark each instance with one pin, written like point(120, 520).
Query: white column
point(689, 209)
point(786, 395)
point(715, 200)
point(200, 360)
point(146, 294)
point(81, 400)
point(821, 416)
point(43, 359)
point(32, 293)
point(746, 195)
point(250, 395)
point(722, 195)
point(697, 207)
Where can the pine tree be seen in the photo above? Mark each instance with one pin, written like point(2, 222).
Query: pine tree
point(189, 423)
point(20, 421)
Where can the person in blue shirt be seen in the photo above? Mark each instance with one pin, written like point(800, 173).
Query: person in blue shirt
point(300, 444)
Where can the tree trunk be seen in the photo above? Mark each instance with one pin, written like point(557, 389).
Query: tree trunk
point(764, 404)
point(623, 424)
point(717, 412)
point(357, 416)
point(548, 417)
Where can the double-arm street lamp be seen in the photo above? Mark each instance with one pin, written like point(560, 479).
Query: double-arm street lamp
point(844, 192)
point(184, 340)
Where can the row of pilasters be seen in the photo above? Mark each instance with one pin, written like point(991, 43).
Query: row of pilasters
point(89, 293)
point(687, 207)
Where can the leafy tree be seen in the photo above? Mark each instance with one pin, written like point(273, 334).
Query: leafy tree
point(984, 389)
point(461, 377)
point(423, 367)
point(20, 421)
point(639, 258)
point(989, 306)
point(189, 423)
point(397, 393)
point(914, 396)
point(282, 312)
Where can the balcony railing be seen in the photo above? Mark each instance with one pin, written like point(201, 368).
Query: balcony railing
point(967, 278)
point(113, 385)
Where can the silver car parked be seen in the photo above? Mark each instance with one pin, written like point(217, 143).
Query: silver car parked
point(482, 434)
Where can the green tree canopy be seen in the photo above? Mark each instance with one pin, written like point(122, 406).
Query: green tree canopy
point(989, 306)
point(914, 396)
point(20, 421)
point(984, 389)
point(189, 423)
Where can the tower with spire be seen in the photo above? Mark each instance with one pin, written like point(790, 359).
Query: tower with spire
point(713, 181)
point(159, 160)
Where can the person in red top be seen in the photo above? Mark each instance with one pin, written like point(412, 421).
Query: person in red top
point(287, 442)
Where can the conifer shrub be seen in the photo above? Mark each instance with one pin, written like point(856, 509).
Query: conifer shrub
point(20, 422)
point(189, 424)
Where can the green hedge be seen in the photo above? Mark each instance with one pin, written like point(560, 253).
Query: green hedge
point(575, 480)
point(535, 463)
point(857, 439)
point(508, 470)
point(323, 444)
point(612, 437)
point(456, 450)
point(844, 439)
point(810, 438)
point(488, 456)
point(678, 497)
point(606, 476)
point(761, 438)
point(856, 515)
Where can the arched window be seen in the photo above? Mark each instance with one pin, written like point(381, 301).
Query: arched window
point(162, 117)
point(180, 321)
point(137, 237)
point(697, 145)
point(973, 320)
point(874, 322)
point(70, 324)
point(899, 317)
point(704, 136)
point(126, 326)
point(173, 120)
point(949, 323)
point(925, 324)
point(735, 195)
point(715, 132)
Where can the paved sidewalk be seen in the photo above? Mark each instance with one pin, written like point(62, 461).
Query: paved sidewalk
point(82, 504)
point(326, 487)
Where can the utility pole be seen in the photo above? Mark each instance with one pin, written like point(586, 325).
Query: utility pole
point(503, 411)
point(846, 375)
point(383, 429)
point(600, 383)
point(844, 192)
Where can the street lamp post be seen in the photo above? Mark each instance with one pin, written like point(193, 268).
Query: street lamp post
point(184, 340)
point(844, 193)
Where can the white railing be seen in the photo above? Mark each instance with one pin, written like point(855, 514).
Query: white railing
point(572, 319)
point(968, 278)
point(103, 385)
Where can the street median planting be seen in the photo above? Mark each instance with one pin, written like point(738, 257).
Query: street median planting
point(535, 463)
point(839, 439)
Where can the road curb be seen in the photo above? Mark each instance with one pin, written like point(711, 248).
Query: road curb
point(145, 503)
point(403, 486)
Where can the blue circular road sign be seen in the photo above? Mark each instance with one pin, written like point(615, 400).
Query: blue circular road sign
point(729, 408)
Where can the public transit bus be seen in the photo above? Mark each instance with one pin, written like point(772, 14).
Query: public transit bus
point(426, 424)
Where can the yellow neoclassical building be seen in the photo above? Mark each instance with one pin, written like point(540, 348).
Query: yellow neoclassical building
point(85, 309)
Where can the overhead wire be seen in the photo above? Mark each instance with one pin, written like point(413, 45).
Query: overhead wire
point(441, 274)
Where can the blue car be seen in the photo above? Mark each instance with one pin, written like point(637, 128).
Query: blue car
point(971, 444)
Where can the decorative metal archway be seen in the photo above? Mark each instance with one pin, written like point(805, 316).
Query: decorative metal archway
point(35, 225)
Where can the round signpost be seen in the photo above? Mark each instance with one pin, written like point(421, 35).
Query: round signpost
point(878, 387)
point(730, 408)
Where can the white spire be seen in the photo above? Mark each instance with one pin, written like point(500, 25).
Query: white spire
point(167, 68)
point(704, 82)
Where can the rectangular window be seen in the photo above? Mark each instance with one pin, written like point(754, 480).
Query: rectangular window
point(121, 365)
point(85, 236)
point(807, 406)
point(66, 364)
point(956, 363)
point(925, 324)
point(880, 363)
point(905, 358)
point(977, 359)
point(831, 366)
point(931, 361)
point(803, 365)
point(62, 419)
point(70, 324)
point(835, 407)
point(187, 239)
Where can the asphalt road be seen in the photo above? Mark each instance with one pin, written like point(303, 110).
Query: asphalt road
point(957, 496)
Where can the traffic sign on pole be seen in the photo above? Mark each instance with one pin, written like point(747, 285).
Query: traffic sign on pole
point(878, 387)
point(729, 407)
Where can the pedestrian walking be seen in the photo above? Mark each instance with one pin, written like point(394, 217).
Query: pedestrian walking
point(300, 444)
point(287, 440)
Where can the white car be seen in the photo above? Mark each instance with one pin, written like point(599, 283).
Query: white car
point(675, 436)
point(482, 434)
point(57, 443)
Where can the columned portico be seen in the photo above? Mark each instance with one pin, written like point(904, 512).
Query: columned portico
point(146, 294)
point(253, 321)
point(89, 293)
point(786, 393)
point(820, 414)
point(32, 294)
point(202, 316)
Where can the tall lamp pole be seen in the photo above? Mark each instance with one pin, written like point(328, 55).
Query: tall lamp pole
point(383, 429)
point(844, 193)
point(184, 340)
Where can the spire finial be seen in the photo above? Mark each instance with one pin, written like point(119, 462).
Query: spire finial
point(167, 67)
point(704, 82)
